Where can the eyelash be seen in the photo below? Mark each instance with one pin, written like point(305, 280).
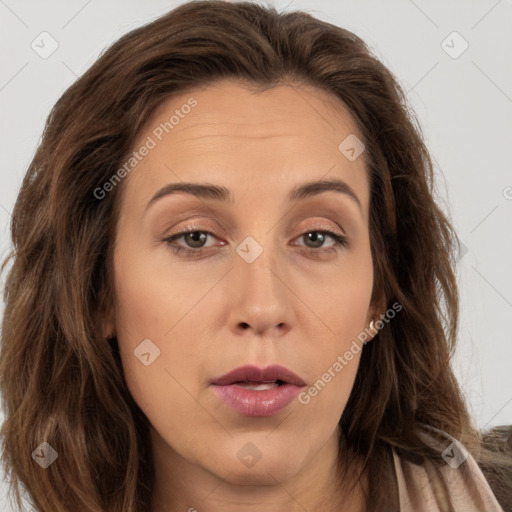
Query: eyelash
point(341, 241)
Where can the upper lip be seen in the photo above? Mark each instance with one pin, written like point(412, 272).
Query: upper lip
point(252, 373)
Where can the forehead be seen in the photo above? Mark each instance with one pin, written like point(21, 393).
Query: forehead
point(227, 104)
point(234, 133)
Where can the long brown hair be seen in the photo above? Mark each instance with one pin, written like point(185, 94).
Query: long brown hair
point(63, 384)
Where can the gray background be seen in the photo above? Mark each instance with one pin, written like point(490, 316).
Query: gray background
point(464, 105)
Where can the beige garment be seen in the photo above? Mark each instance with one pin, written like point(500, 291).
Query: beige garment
point(416, 490)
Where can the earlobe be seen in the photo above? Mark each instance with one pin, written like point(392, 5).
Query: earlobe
point(376, 315)
point(370, 330)
point(108, 324)
point(376, 323)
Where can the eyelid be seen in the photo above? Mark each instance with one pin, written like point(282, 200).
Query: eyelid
point(320, 225)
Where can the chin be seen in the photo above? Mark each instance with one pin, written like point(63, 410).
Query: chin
point(266, 474)
point(258, 463)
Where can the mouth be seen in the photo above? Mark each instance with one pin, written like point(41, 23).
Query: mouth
point(254, 375)
point(253, 391)
point(259, 386)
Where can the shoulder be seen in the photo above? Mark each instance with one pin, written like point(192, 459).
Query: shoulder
point(459, 477)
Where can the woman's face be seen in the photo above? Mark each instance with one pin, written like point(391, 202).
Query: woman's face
point(266, 287)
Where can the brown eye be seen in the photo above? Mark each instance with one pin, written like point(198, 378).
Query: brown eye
point(196, 239)
point(315, 239)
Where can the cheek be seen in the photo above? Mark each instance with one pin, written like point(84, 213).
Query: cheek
point(339, 297)
point(154, 326)
point(151, 301)
point(327, 394)
point(341, 305)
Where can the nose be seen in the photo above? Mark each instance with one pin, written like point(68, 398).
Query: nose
point(260, 296)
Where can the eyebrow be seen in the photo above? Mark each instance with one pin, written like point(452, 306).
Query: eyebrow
point(220, 193)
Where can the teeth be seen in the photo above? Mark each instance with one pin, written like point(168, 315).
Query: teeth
point(257, 386)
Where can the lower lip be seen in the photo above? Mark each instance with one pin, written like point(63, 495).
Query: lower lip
point(258, 403)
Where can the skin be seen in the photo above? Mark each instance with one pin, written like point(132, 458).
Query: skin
point(302, 308)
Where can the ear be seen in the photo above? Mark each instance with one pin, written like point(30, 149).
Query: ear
point(376, 312)
point(108, 323)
